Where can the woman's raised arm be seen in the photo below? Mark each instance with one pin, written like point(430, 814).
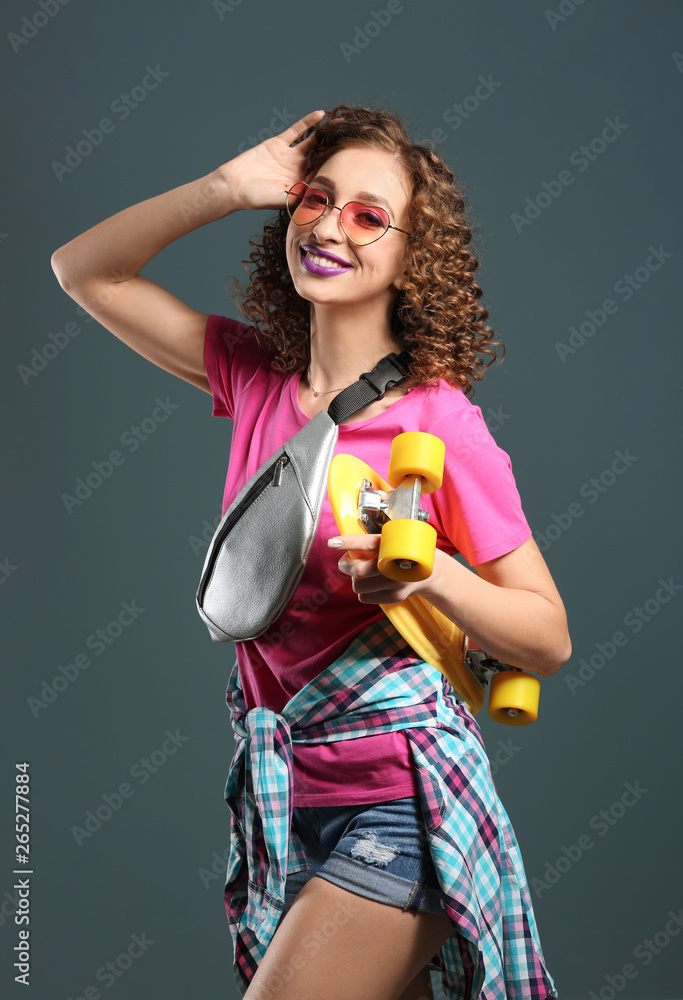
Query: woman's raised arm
point(100, 268)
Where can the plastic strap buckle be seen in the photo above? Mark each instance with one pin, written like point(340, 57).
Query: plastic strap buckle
point(386, 374)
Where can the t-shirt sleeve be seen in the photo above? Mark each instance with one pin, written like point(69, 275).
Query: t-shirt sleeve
point(232, 357)
point(478, 505)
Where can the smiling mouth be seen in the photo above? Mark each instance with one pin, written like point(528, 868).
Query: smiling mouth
point(323, 260)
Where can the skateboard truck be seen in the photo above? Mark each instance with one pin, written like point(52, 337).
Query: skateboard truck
point(376, 508)
point(484, 667)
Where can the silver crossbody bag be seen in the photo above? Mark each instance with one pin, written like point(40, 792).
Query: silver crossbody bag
point(258, 553)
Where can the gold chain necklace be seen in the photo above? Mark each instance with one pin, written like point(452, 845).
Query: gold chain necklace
point(316, 392)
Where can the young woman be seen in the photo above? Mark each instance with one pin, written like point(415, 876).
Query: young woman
point(354, 761)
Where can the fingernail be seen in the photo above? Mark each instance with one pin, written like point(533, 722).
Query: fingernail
point(334, 543)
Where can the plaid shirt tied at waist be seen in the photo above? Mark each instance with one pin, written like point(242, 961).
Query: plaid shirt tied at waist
point(377, 686)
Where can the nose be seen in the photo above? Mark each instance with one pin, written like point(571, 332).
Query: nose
point(328, 227)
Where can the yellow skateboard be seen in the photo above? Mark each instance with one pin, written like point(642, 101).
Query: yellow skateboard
point(363, 502)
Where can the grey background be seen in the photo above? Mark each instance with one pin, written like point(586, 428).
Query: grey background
point(132, 538)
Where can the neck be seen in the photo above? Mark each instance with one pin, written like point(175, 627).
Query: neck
point(344, 344)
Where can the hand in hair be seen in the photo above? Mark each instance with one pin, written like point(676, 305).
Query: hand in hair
point(259, 177)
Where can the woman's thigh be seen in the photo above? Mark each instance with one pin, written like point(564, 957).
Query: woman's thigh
point(339, 945)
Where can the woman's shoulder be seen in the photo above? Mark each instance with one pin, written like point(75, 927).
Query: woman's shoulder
point(235, 358)
point(443, 402)
point(448, 413)
point(232, 337)
point(239, 348)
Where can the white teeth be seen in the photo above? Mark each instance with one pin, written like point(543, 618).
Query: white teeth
point(322, 261)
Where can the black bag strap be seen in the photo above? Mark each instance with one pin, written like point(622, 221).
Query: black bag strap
point(370, 386)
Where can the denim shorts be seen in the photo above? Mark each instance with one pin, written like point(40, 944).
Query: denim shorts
point(378, 850)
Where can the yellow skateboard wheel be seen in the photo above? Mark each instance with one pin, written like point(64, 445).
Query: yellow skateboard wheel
point(514, 697)
point(406, 550)
point(416, 453)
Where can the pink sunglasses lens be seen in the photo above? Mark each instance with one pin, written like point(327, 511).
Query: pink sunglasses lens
point(362, 224)
point(305, 204)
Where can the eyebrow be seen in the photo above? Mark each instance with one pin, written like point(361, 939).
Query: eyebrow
point(372, 198)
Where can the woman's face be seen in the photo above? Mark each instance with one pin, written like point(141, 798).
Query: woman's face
point(366, 273)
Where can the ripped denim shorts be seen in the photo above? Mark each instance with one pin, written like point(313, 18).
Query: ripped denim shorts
point(377, 850)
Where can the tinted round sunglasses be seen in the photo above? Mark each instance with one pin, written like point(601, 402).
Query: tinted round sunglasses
point(360, 223)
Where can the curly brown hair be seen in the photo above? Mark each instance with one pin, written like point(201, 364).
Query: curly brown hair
point(437, 316)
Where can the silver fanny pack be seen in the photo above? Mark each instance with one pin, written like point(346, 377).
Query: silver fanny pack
point(258, 553)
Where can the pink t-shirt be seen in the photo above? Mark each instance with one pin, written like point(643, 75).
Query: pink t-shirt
point(477, 512)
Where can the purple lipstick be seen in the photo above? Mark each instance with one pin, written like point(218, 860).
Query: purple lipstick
point(335, 266)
